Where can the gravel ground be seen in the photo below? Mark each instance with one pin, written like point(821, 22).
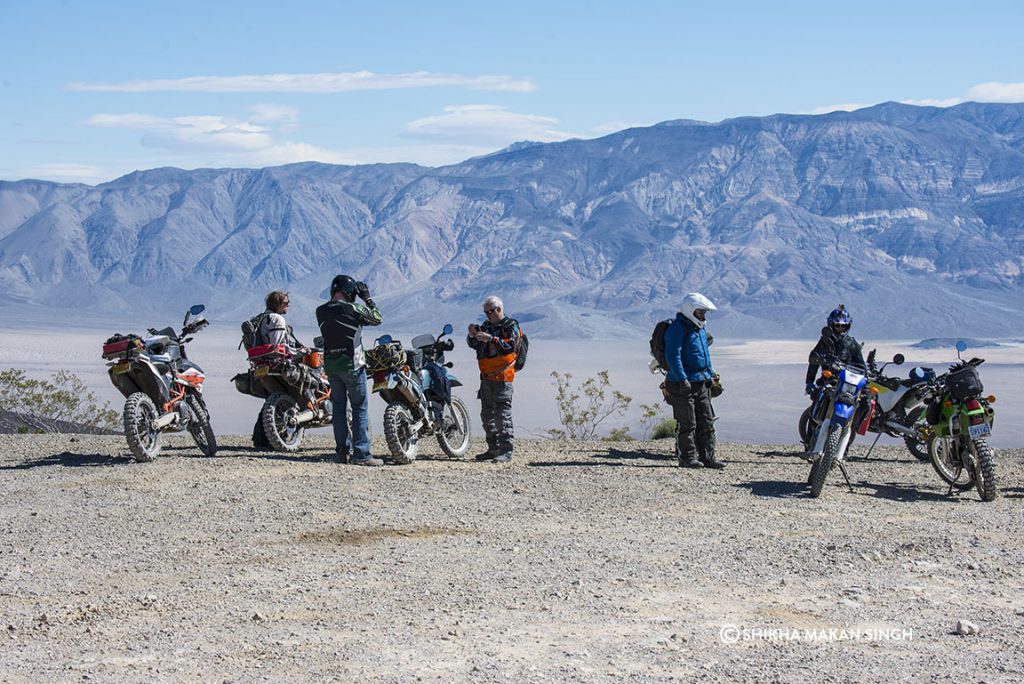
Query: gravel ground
point(593, 562)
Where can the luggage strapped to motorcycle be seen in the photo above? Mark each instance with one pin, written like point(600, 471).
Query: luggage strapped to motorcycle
point(385, 357)
point(268, 350)
point(964, 383)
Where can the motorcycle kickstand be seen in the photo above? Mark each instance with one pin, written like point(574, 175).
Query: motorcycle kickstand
point(842, 469)
point(867, 456)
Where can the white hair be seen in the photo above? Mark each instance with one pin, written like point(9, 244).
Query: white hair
point(492, 301)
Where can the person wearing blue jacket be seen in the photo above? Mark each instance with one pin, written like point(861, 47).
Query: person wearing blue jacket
point(688, 383)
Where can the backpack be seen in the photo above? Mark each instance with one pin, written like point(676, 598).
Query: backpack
point(522, 349)
point(658, 342)
point(250, 330)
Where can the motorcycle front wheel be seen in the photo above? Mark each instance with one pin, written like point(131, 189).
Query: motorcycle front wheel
point(828, 456)
point(917, 446)
point(278, 415)
point(139, 416)
point(199, 426)
point(945, 455)
point(986, 476)
point(399, 435)
point(453, 434)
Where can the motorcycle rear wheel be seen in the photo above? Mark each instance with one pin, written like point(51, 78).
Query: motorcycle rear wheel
point(199, 426)
point(917, 446)
point(806, 428)
point(399, 435)
point(945, 457)
point(143, 439)
point(278, 415)
point(824, 464)
point(453, 435)
point(986, 475)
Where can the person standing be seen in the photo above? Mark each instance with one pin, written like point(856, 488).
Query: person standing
point(341, 322)
point(496, 342)
point(688, 383)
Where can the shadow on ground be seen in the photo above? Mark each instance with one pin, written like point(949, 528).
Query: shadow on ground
point(69, 460)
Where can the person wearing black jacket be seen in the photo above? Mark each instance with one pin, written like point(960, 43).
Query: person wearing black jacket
point(835, 345)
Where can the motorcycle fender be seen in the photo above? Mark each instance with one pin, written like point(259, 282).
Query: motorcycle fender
point(452, 380)
point(841, 413)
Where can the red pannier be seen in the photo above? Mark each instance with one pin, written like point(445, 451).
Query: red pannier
point(267, 351)
point(121, 345)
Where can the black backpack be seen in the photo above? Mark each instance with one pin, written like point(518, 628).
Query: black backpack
point(658, 342)
point(250, 329)
point(522, 349)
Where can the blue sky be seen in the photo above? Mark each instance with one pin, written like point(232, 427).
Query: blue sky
point(92, 90)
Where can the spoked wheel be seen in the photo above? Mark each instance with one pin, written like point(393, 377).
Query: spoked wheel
point(398, 432)
point(806, 427)
point(453, 434)
point(986, 475)
point(143, 438)
point(945, 455)
point(824, 465)
point(917, 445)
point(199, 426)
point(278, 415)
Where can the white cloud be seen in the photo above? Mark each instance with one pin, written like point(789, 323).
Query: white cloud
point(310, 83)
point(993, 91)
point(486, 125)
point(62, 173)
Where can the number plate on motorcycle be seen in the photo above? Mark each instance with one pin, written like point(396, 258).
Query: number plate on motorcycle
point(121, 368)
point(979, 431)
point(261, 371)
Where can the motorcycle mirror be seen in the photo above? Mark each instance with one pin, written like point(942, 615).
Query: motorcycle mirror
point(898, 359)
point(197, 309)
point(961, 346)
point(384, 339)
point(447, 329)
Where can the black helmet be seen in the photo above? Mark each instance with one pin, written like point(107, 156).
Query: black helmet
point(344, 284)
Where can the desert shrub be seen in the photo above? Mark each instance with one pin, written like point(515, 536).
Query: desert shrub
point(619, 434)
point(56, 404)
point(664, 429)
point(582, 410)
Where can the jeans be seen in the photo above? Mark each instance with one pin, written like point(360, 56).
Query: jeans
point(345, 388)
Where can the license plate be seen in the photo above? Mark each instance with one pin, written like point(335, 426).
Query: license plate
point(979, 431)
point(122, 368)
point(379, 385)
point(261, 371)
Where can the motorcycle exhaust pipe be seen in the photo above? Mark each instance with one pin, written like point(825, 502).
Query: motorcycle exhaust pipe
point(305, 416)
point(902, 429)
point(165, 420)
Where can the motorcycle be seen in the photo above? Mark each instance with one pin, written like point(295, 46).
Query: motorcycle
point(295, 390)
point(163, 389)
point(416, 385)
point(961, 420)
point(901, 405)
point(840, 403)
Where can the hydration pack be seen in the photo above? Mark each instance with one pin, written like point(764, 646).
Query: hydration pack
point(522, 349)
point(250, 330)
point(658, 342)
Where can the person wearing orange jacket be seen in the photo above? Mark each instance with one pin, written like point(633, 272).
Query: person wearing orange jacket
point(496, 342)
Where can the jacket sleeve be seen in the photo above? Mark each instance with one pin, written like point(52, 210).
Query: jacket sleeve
point(368, 315)
point(822, 353)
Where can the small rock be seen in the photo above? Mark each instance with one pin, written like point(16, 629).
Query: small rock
point(966, 628)
point(850, 603)
point(258, 617)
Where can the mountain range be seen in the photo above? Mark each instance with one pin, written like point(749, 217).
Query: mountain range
point(911, 216)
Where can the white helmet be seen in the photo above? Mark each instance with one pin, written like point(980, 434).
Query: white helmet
point(695, 301)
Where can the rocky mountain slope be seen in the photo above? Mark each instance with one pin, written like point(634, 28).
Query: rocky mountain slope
point(912, 216)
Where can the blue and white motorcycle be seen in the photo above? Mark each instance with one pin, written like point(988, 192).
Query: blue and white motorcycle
point(837, 404)
point(417, 386)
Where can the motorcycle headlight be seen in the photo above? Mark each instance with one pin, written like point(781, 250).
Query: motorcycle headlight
point(849, 388)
